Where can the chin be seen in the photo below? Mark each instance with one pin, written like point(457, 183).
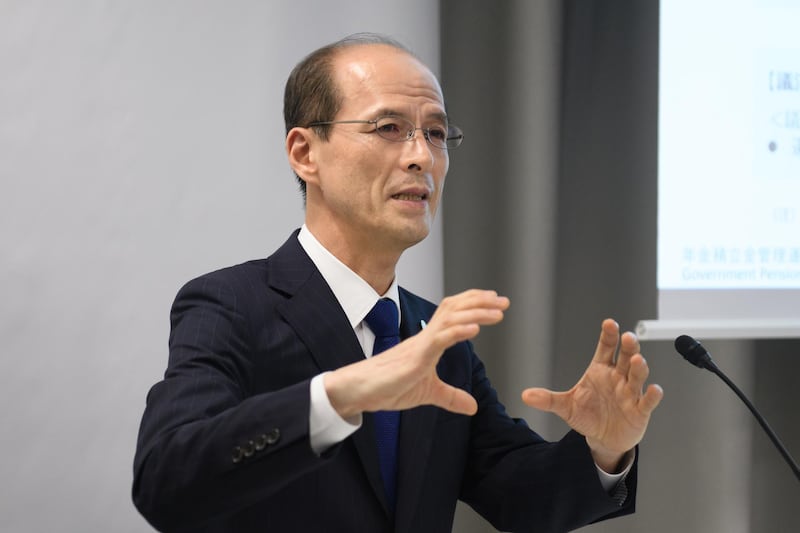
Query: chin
point(404, 235)
point(414, 237)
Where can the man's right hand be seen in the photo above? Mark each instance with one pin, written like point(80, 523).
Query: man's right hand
point(405, 376)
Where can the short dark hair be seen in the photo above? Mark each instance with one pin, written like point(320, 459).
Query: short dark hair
point(311, 95)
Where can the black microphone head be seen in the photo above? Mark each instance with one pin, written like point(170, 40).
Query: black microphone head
point(693, 351)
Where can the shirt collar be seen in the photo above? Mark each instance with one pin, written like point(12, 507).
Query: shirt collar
point(355, 295)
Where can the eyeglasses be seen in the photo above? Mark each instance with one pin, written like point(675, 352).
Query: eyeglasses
point(399, 129)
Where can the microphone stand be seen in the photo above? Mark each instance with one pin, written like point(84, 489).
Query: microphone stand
point(711, 367)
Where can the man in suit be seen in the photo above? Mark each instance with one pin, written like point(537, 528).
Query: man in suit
point(268, 415)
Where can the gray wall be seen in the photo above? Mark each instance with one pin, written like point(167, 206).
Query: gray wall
point(141, 144)
point(563, 217)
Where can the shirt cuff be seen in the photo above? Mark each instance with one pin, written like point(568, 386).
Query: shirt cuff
point(325, 426)
point(611, 481)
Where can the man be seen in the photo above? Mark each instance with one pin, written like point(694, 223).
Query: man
point(269, 412)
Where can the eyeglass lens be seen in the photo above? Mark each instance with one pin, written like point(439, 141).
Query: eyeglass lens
point(398, 129)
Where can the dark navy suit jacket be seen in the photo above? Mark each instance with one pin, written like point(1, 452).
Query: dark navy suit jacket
point(224, 444)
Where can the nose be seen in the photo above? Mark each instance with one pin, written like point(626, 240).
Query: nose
point(418, 155)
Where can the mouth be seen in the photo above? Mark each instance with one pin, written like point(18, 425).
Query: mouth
point(411, 197)
point(414, 193)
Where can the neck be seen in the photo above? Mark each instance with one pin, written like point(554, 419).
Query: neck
point(372, 264)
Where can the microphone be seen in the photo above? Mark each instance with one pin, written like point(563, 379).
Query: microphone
point(695, 353)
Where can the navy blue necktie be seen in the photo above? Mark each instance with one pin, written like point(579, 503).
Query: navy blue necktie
point(383, 321)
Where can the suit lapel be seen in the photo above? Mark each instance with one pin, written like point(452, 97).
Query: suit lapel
point(311, 308)
point(313, 312)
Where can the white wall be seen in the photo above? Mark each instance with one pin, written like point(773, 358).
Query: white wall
point(141, 144)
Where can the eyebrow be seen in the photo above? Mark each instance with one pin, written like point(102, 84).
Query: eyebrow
point(387, 111)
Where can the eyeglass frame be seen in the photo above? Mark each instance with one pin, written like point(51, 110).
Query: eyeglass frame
point(453, 131)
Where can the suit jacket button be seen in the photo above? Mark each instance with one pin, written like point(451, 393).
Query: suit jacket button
point(273, 436)
point(237, 454)
point(248, 449)
point(261, 443)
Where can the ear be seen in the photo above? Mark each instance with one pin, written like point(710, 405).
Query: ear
point(299, 149)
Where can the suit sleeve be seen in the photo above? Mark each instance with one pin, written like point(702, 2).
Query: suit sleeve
point(207, 445)
point(520, 482)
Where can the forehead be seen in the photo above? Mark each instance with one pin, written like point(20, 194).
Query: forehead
point(383, 76)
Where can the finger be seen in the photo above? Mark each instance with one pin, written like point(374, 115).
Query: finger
point(454, 399)
point(629, 346)
point(474, 298)
point(482, 316)
point(638, 373)
point(447, 337)
point(651, 398)
point(607, 345)
point(460, 326)
point(545, 400)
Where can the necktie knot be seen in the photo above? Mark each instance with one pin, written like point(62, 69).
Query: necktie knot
point(383, 320)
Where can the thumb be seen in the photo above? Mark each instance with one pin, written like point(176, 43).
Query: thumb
point(454, 399)
point(542, 399)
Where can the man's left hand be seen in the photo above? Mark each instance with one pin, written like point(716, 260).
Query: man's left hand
point(609, 405)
